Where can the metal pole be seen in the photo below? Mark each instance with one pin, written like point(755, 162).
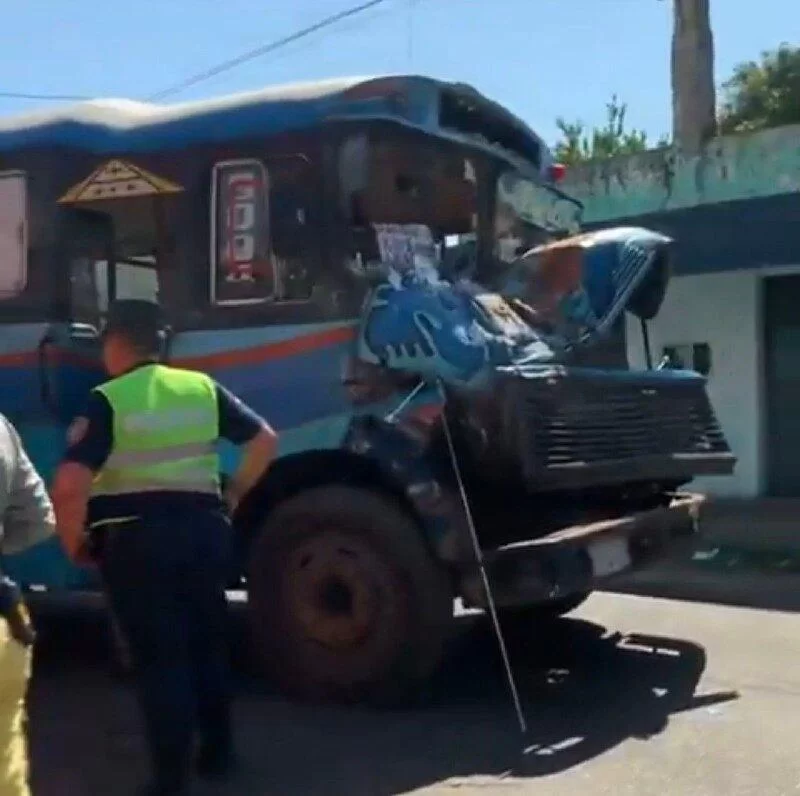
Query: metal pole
point(648, 354)
point(512, 685)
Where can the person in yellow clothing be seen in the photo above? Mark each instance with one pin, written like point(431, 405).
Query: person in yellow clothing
point(142, 474)
point(26, 518)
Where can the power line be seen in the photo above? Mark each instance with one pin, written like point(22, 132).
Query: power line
point(264, 49)
point(353, 24)
point(225, 65)
point(43, 97)
point(296, 49)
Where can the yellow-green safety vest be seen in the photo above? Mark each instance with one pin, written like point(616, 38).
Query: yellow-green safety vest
point(166, 425)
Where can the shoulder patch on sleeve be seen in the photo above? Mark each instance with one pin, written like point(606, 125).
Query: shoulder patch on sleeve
point(77, 430)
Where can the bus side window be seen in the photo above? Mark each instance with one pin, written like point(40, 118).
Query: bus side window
point(404, 179)
point(260, 237)
point(88, 294)
point(13, 235)
point(137, 278)
point(294, 222)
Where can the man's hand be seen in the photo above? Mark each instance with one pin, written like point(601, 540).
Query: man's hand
point(71, 488)
point(83, 556)
point(257, 456)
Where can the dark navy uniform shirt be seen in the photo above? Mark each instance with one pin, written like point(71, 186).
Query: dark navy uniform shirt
point(237, 424)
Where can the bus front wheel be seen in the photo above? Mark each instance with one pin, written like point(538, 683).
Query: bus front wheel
point(346, 601)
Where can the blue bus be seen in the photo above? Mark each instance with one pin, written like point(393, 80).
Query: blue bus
point(387, 269)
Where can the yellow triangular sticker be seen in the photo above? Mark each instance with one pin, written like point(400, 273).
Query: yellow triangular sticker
point(118, 179)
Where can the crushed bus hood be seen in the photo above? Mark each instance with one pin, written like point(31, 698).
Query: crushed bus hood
point(581, 285)
point(528, 412)
point(565, 294)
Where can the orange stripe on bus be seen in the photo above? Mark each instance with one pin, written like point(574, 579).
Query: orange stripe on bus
point(270, 351)
point(223, 359)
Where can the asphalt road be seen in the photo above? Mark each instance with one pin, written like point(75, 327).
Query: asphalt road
point(630, 696)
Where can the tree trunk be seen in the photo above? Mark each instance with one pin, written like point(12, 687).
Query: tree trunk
point(693, 93)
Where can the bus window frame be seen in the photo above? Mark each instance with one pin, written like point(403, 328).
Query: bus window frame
point(438, 147)
point(216, 170)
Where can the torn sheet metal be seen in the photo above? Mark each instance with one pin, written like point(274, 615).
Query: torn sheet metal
point(564, 293)
point(417, 322)
point(581, 285)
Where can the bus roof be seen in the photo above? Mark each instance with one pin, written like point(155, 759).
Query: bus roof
point(116, 126)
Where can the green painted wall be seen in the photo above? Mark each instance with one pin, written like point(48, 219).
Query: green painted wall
point(735, 167)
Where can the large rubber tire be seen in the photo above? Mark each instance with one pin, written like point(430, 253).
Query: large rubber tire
point(347, 602)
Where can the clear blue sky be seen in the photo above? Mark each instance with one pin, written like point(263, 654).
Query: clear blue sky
point(541, 58)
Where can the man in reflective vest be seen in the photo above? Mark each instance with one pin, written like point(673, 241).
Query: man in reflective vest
point(142, 474)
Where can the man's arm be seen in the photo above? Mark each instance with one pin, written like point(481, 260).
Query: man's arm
point(28, 517)
point(239, 424)
point(89, 444)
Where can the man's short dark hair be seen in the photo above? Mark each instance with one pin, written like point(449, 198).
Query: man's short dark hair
point(138, 322)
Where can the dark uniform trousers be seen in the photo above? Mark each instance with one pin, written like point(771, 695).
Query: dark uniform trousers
point(165, 576)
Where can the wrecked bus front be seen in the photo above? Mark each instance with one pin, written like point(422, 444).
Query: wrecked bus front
point(576, 417)
point(359, 260)
point(561, 444)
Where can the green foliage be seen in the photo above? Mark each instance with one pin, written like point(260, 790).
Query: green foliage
point(578, 146)
point(758, 95)
point(762, 95)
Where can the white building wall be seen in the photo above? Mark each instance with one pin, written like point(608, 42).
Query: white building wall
point(722, 310)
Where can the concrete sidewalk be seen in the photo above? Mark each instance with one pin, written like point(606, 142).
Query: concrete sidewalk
point(747, 553)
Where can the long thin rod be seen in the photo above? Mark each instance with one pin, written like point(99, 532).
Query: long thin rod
point(648, 353)
point(512, 684)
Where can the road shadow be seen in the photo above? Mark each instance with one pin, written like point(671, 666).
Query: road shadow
point(585, 690)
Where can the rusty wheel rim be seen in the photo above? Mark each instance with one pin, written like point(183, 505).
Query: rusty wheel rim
point(332, 586)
